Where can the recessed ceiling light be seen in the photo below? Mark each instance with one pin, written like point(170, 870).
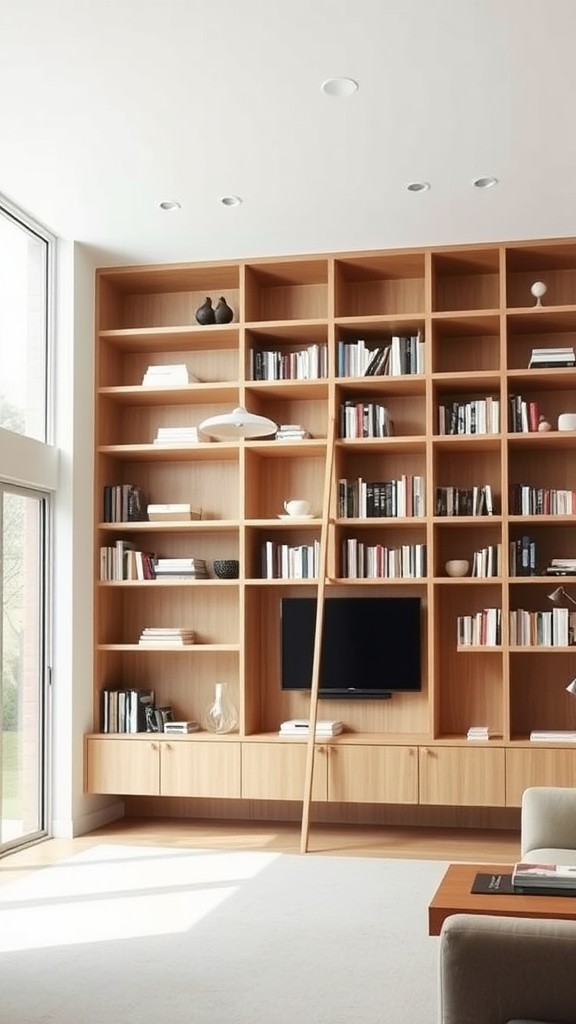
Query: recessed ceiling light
point(418, 186)
point(339, 87)
point(231, 201)
point(487, 181)
point(169, 204)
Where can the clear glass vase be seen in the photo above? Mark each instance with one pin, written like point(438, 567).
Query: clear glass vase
point(221, 715)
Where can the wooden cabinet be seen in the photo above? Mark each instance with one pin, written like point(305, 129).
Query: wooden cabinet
point(277, 771)
point(161, 767)
point(470, 777)
point(541, 767)
point(373, 774)
point(459, 398)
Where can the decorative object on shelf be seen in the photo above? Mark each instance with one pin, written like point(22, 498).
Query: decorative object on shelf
point(571, 688)
point(221, 716)
point(222, 312)
point(238, 423)
point(297, 507)
point(227, 568)
point(457, 567)
point(561, 597)
point(205, 314)
point(567, 421)
point(539, 290)
point(543, 425)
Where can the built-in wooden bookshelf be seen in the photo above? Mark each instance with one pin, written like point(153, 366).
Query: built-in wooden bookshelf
point(473, 314)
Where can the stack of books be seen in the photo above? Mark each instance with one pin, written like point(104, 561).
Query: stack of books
point(479, 732)
point(542, 358)
point(181, 568)
point(169, 373)
point(176, 435)
point(182, 511)
point(181, 728)
point(166, 636)
point(561, 567)
point(544, 878)
point(552, 736)
point(291, 432)
point(301, 727)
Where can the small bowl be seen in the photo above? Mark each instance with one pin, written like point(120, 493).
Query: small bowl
point(457, 567)
point(227, 568)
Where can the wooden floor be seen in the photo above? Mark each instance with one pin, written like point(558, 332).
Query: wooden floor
point(450, 844)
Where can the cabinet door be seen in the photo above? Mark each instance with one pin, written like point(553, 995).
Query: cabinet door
point(373, 774)
point(127, 767)
point(277, 771)
point(196, 768)
point(545, 767)
point(461, 776)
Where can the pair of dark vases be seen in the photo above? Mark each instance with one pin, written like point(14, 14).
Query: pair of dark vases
point(220, 314)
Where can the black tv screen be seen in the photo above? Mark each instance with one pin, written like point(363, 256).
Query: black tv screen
point(371, 646)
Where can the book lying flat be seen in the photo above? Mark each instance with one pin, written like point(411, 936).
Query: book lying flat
point(541, 876)
point(496, 884)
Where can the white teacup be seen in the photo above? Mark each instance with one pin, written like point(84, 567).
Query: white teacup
point(297, 507)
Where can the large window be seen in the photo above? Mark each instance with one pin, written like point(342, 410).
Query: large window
point(24, 323)
point(27, 481)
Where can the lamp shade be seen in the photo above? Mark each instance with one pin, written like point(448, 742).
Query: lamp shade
point(238, 423)
point(571, 688)
point(560, 596)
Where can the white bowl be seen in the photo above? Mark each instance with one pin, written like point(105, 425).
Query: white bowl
point(457, 567)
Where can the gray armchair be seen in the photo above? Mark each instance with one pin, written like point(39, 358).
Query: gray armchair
point(507, 970)
point(548, 825)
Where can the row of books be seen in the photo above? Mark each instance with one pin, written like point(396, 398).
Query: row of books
point(377, 499)
point(464, 501)
point(310, 363)
point(376, 561)
point(526, 500)
point(523, 416)
point(552, 628)
point(487, 562)
point(124, 710)
point(477, 416)
point(123, 503)
point(401, 356)
point(482, 629)
point(522, 556)
point(365, 419)
point(290, 562)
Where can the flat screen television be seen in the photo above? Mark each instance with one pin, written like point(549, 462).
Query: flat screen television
point(371, 646)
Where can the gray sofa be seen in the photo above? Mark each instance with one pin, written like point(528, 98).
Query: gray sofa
point(548, 825)
point(496, 970)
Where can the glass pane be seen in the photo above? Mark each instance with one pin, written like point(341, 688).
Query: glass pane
point(22, 661)
point(23, 329)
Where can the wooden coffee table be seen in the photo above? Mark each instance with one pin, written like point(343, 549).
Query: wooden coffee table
point(453, 896)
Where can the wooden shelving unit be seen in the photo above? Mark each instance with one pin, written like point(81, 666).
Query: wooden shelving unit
point(473, 307)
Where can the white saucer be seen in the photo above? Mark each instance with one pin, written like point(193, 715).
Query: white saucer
point(310, 515)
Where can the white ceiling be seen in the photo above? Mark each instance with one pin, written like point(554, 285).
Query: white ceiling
point(110, 106)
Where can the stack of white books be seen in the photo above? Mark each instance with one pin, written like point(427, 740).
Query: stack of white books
point(562, 567)
point(479, 732)
point(291, 432)
point(552, 736)
point(166, 636)
point(181, 568)
point(177, 510)
point(167, 373)
point(176, 435)
point(181, 728)
point(528, 876)
point(551, 357)
point(301, 727)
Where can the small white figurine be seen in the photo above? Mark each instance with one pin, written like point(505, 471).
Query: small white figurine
point(538, 290)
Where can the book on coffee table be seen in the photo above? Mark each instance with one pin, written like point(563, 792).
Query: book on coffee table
point(544, 876)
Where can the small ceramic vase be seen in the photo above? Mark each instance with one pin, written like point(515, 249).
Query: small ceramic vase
point(205, 314)
point(543, 425)
point(223, 313)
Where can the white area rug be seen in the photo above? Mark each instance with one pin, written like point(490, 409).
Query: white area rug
point(122, 934)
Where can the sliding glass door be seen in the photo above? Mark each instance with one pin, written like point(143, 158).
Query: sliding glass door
point(23, 658)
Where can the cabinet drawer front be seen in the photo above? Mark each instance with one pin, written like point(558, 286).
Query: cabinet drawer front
point(461, 776)
point(200, 769)
point(537, 768)
point(277, 771)
point(371, 774)
point(126, 767)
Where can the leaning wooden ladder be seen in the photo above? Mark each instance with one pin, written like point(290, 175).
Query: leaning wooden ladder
point(315, 681)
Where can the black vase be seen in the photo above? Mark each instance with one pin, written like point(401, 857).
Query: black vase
point(205, 314)
point(223, 313)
